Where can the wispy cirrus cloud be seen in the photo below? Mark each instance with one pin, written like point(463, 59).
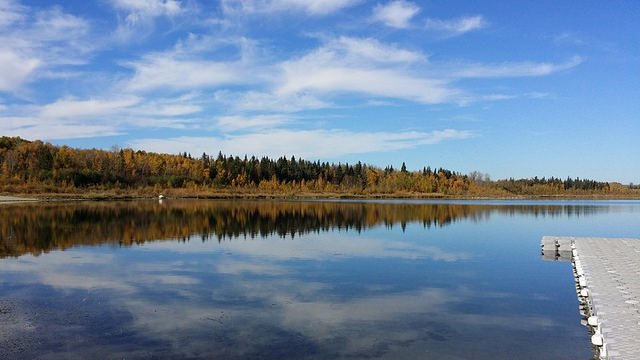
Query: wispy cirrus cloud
point(33, 42)
point(311, 7)
point(514, 69)
point(456, 27)
point(234, 123)
point(255, 90)
point(310, 144)
point(363, 66)
point(151, 8)
point(368, 50)
point(71, 117)
point(396, 14)
point(251, 101)
point(69, 108)
point(335, 79)
point(10, 12)
point(194, 63)
point(138, 16)
point(159, 72)
point(51, 129)
point(568, 38)
point(184, 105)
point(15, 69)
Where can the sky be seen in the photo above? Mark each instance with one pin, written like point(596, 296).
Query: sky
point(507, 88)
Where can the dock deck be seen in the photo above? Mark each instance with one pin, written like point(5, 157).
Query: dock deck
point(607, 273)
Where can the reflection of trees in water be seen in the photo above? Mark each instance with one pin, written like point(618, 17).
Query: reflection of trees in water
point(37, 228)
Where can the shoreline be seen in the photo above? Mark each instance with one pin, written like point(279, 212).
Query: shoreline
point(10, 199)
point(28, 198)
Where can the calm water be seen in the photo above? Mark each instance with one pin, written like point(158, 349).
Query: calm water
point(298, 280)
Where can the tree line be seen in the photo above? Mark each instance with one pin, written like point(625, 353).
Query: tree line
point(36, 166)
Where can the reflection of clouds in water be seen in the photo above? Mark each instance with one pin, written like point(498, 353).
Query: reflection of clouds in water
point(60, 280)
point(166, 280)
point(353, 327)
point(82, 270)
point(74, 258)
point(236, 267)
point(385, 325)
point(161, 266)
point(67, 270)
point(324, 246)
point(247, 301)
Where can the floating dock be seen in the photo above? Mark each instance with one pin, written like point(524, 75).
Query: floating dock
point(607, 274)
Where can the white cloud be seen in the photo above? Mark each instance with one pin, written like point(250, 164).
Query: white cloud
point(397, 14)
point(363, 66)
point(311, 7)
point(54, 25)
point(511, 69)
point(568, 38)
point(10, 12)
point(66, 108)
point(385, 83)
point(258, 122)
point(161, 72)
point(94, 117)
point(309, 144)
point(140, 15)
point(357, 50)
point(498, 97)
point(537, 95)
point(135, 122)
point(33, 42)
point(196, 62)
point(253, 85)
point(262, 101)
point(344, 64)
point(186, 104)
point(455, 27)
point(15, 69)
point(51, 129)
point(53, 36)
point(150, 7)
point(172, 110)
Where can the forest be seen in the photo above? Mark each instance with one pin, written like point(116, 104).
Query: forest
point(36, 167)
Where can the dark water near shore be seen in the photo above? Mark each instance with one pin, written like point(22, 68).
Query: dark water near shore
point(295, 280)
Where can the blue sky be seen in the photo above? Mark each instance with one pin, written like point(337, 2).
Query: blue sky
point(508, 88)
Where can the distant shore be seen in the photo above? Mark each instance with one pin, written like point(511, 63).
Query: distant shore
point(16, 199)
point(228, 195)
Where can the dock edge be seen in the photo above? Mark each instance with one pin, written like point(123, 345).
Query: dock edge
point(564, 248)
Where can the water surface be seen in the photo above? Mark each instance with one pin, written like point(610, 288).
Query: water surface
point(295, 279)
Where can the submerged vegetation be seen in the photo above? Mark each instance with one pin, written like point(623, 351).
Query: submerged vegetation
point(37, 167)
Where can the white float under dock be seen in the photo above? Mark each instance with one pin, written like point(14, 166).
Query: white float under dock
point(607, 273)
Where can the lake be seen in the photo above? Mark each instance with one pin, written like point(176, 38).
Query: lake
point(295, 279)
